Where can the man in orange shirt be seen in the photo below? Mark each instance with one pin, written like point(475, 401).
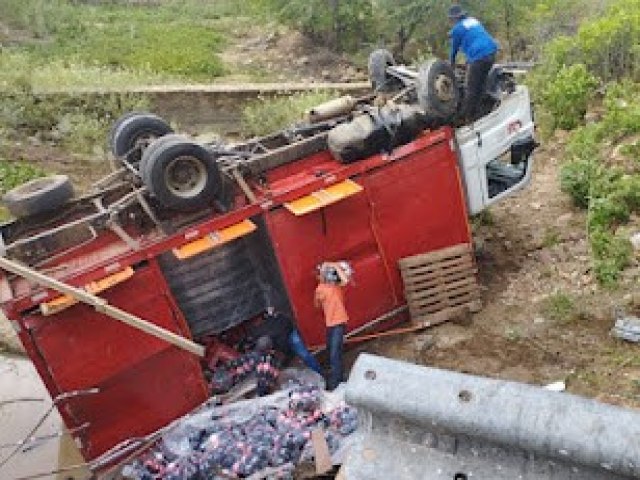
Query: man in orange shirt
point(329, 295)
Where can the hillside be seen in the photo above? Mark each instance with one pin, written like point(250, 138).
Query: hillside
point(554, 261)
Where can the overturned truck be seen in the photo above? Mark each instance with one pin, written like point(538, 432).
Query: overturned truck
point(196, 240)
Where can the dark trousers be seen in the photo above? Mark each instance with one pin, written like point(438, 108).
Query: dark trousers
point(335, 339)
point(475, 84)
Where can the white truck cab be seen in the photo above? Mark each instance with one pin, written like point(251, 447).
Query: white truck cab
point(495, 152)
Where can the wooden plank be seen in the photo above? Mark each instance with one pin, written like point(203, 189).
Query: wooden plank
point(426, 281)
point(441, 316)
point(438, 255)
point(456, 262)
point(441, 304)
point(440, 270)
point(435, 256)
point(446, 289)
point(102, 306)
point(321, 451)
point(454, 298)
point(457, 265)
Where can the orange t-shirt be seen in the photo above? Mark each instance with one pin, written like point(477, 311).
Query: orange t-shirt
point(331, 299)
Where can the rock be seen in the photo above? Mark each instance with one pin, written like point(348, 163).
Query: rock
point(304, 60)
point(326, 74)
point(538, 321)
point(507, 245)
point(635, 241)
point(535, 205)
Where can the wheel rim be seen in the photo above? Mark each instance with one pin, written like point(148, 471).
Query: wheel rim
point(443, 87)
point(185, 177)
point(140, 143)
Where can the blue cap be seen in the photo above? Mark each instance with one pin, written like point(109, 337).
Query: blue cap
point(456, 12)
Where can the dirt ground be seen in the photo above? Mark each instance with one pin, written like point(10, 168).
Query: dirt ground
point(281, 54)
point(544, 318)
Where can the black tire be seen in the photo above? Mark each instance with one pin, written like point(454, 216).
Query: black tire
point(437, 92)
point(132, 132)
point(38, 196)
point(380, 80)
point(182, 175)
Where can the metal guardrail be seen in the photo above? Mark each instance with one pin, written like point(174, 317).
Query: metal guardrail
point(424, 423)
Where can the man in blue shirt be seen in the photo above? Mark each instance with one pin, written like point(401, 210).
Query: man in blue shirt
point(479, 48)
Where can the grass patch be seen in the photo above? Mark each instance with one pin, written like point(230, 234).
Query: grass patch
point(560, 307)
point(483, 219)
point(79, 123)
point(266, 116)
point(114, 43)
point(13, 174)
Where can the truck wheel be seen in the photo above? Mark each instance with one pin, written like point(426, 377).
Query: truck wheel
point(381, 81)
point(181, 174)
point(38, 196)
point(133, 132)
point(437, 92)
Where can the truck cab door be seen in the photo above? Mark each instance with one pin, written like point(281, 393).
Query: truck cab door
point(495, 152)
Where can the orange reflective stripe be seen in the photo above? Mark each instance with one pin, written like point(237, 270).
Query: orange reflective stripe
point(214, 239)
point(65, 301)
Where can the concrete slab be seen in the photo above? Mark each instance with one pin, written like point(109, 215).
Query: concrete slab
point(23, 401)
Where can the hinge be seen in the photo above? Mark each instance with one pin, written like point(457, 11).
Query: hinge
point(479, 139)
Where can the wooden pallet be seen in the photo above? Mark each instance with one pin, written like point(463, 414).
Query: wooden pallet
point(440, 285)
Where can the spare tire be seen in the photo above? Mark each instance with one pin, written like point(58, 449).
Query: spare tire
point(437, 92)
point(182, 175)
point(38, 196)
point(133, 132)
point(380, 80)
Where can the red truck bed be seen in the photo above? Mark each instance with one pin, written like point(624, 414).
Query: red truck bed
point(411, 202)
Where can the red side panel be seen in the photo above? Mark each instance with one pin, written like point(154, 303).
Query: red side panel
point(339, 231)
point(144, 382)
point(412, 205)
point(417, 205)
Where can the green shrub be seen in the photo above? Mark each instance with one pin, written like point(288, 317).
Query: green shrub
point(13, 174)
point(575, 180)
point(568, 94)
point(622, 106)
point(607, 212)
point(78, 122)
point(267, 115)
point(345, 27)
point(611, 255)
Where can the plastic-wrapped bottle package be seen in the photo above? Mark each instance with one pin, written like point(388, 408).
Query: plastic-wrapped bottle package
point(269, 434)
